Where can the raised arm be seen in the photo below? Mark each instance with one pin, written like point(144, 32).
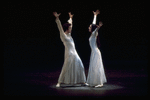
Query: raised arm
point(70, 19)
point(59, 24)
point(95, 16)
point(95, 32)
point(99, 26)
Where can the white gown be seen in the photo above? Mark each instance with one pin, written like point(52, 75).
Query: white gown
point(73, 69)
point(96, 74)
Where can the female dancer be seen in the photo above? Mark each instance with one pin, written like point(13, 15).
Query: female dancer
point(96, 75)
point(73, 69)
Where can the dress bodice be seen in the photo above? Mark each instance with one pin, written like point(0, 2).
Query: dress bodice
point(92, 41)
point(69, 44)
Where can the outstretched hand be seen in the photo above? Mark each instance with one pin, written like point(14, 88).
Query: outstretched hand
point(96, 13)
point(56, 14)
point(100, 24)
point(70, 15)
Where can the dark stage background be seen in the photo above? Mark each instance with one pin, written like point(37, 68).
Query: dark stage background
point(32, 42)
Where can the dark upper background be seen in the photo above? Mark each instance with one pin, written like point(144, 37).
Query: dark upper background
point(31, 36)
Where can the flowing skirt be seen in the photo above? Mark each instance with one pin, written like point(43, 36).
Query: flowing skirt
point(96, 74)
point(72, 70)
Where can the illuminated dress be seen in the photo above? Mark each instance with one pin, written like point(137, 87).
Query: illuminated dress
point(96, 74)
point(73, 69)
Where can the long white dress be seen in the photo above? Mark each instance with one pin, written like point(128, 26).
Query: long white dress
point(73, 69)
point(96, 74)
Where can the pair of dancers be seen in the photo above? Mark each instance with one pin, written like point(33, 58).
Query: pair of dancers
point(73, 69)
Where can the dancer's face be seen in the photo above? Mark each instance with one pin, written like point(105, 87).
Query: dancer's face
point(90, 28)
point(69, 29)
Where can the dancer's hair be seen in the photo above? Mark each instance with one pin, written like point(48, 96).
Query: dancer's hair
point(66, 26)
point(94, 26)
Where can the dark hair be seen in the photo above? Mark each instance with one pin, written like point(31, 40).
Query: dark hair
point(66, 26)
point(94, 26)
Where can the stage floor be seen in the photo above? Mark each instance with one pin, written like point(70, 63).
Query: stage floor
point(42, 83)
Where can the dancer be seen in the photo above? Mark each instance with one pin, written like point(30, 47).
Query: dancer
point(96, 75)
point(73, 69)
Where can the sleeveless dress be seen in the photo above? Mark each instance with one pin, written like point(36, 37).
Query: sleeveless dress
point(96, 74)
point(73, 70)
